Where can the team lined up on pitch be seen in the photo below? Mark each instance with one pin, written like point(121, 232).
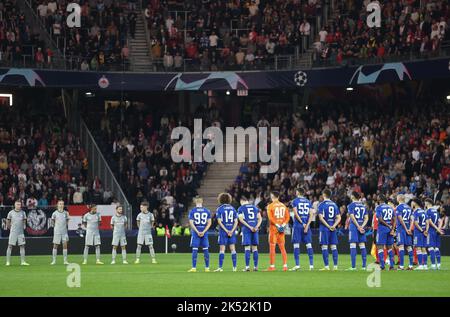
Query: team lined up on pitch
point(401, 223)
point(409, 226)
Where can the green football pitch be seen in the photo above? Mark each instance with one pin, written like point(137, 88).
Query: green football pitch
point(170, 278)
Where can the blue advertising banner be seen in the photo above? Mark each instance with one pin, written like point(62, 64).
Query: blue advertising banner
point(258, 80)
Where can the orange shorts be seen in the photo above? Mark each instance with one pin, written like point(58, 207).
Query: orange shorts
point(277, 238)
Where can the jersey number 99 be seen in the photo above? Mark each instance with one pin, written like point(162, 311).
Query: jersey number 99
point(200, 219)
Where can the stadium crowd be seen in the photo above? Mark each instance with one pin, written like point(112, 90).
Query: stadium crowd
point(138, 151)
point(229, 34)
point(101, 42)
point(41, 161)
point(224, 35)
point(367, 150)
point(19, 44)
point(408, 28)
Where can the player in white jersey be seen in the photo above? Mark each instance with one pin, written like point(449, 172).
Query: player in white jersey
point(60, 221)
point(145, 221)
point(16, 222)
point(91, 221)
point(119, 224)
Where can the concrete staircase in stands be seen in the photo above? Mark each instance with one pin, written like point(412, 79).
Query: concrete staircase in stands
point(219, 177)
point(139, 48)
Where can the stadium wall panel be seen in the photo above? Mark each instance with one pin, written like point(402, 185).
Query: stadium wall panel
point(43, 245)
point(291, 79)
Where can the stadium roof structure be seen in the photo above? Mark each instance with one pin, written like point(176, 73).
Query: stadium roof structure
point(228, 80)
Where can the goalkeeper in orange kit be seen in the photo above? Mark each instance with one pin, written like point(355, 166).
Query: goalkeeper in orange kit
point(278, 215)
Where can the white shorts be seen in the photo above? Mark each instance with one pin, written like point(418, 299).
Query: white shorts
point(144, 239)
point(60, 238)
point(16, 239)
point(92, 238)
point(119, 240)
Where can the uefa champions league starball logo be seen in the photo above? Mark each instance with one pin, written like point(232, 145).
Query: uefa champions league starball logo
point(300, 78)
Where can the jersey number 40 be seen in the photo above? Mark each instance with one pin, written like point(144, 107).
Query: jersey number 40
point(279, 212)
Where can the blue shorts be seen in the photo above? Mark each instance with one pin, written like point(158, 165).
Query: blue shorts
point(403, 238)
point(224, 239)
point(199, 242)
point(354, 236)
point(433, 239)
point(299, 235)
point(419, 239)
point(250, 238)
point(327, 237)
point(384, 236)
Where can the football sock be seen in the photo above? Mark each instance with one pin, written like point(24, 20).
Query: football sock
point(85, 253)
point(65, 255)
point(152, 251)
point(54, 253)
point(334, 251)
point(234, 258)
point(221, 257)
point(391, 258)
point(432, 256)
point(255, 258)
point(22, 253)
point(438, 256)
point(364, 255)
point(381, 255)
point(272, 254)
point(283, 253)
point(194, 257)
point(353, 256)
point(411, 256)
point(402, 257)
point(297, 254)
point(138, 251)
point(206, 255)
point(325, 256)
point(419, 257)
point(97, 252)
point(425, 258)
point(247, 258)
point(8, 254)
point(310, 254)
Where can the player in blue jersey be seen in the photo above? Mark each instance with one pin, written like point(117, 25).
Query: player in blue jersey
point(359, 217)
point(433, 232)
point(386, 229)
point(301, 232)
point(420, 225)
point(200, 222)
point(404, 232)
point(330, 218)
point(227, 219)
point(250, 219)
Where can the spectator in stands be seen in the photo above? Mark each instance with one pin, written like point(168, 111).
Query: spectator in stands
point(40, 160)
point(370, 154)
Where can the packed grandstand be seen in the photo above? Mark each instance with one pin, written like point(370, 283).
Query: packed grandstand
point(366, 147)
point(219, 35)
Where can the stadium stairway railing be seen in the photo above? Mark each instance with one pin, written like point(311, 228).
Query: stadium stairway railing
point(98, 166)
